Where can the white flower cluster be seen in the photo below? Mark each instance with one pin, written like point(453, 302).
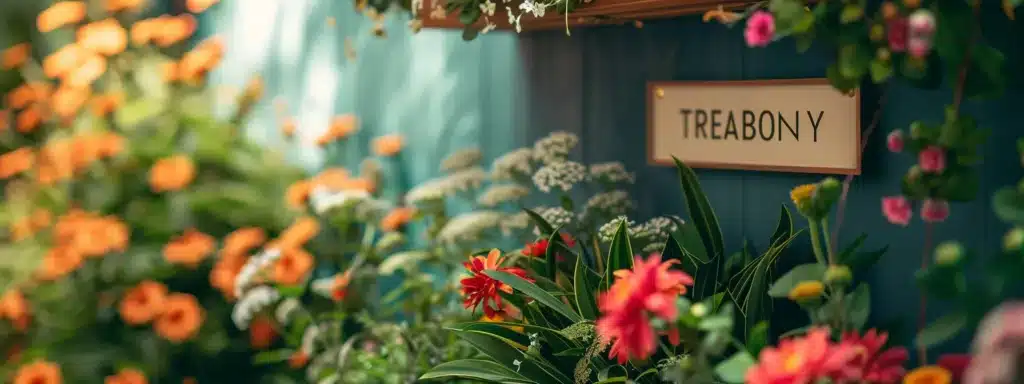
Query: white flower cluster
point(253, 301)
point(286, 309)
point(608, 204)
point(389, 242)
point(659, 229)
point(607, 231)
point(469, 226)
point(502, 193)
point(513, 166)
point(462, 159)
point(556, 216)
point(253, 266)
point(428, 191)
point(555, 147)
point(514, 222)
point(371, 209)
point(466, 179)
point(562, 175)
point(324, 200)
point(611, 173)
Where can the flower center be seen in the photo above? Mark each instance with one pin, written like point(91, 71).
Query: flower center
point(176, 316)
point(793, 362)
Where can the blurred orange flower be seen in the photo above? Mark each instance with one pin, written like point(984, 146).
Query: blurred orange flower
point(261, 333)
point(29, 119)
point(189, 380)
point(203, 58)
point(91, 68)
point(15, 56)
point(27, 93)
point(60, 14)
point(298, 194)
point(298, 360)
point(14, 307)
point(181, 319)
point(242, 240)
point(388, 145)
point(198, 6)
point(123, 5)
point(16, 161)
point(143, 303)
point(63, 60)
point(293, 266)
point(111, 144)
point(341, 127)
point(288, 127)
point(105, 37)
point(58, 262)
point(127, 376)
point(339, 286)
point(67, 101)
point(190, 248)
point(170, 30)
point(171, 174)
point(299, 233)
point(103, 105)
point(38, 372)
point(332, 178)
point(398, 217)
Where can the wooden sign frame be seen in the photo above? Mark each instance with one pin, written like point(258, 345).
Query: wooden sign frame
point(652, 89)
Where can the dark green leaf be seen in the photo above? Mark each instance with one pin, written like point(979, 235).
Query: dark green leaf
point(734, 369)
point(858, 306)
point(701, 213)
point(945, 328)
point(784, 229)
point(758, 338)
point(538, 220)
point(620, 254)
point(535, 292)
point(505, 354)
point(1008, 206)
point(484, 370)
point(585, 287)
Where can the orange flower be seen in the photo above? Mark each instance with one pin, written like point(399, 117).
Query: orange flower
point(171, 174)
point(298, 360)
point(169, 30)
point(21, 230)
point(243, 240)
point(288, 127)
point(15, 56)
point(58, 262)
point(60, 14)
point(222, 277)
point(198, 6)
point(292, 266)
point(127, 376)
point(26, 94)
point(343, 125)
point(143, 303)
point(388, 145)
point(334, 178)
point(67, 101)
point(398, 217)
point(181, 319)
point(123, 5)
point(16, 161)
point(298, 194)
point(91, 68)
point(261, 333)
point(190, 248)
point(339, 286)
point(142, 31)
point(14, 307)
point(85, 151)
point(358, 184)
point(929, 374)
point(111, 144)
point(38, 372)
point(195, 63)
point(299, 233)
point(29, 119)
point(103, 105)
point(105, 37)
point(63, 60)
point(41, 218)
point(189, 380)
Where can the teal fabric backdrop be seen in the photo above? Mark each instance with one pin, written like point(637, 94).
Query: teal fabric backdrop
point(438, 91)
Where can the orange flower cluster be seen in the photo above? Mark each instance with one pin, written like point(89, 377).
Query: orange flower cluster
point(189, 249)
point(388, 145)
point(61, 158)
point(176, 317)
point(171, 174)
point(14, 308)
point(38, 372)
point(233, 254)
point(261, 333)
point(295, 262)
point(78, 235)
point(341, 127)
point(333, 179)
point(397, 218)
point(127, 376)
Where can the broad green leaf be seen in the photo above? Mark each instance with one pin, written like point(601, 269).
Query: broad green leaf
point(945, 328)
point(858, 306)
point(484, 370)
point(734, 369)
point(692, 243)
point(799, 273)
point(620, 254)
point(585, 287)
point(137, 111)
point(701, 213)
point(499, 330)
point(535, 292)
point(502, 352)
point(784, 229)
point(538, 220)
point(272, 357)
point(1008, 205)
point(758, 338)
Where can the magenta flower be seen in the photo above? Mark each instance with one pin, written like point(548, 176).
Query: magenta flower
point(896, 33)
point(934, 210)
point(932, 159)
point(897, 210)
point(895, 141)
point(760, 29)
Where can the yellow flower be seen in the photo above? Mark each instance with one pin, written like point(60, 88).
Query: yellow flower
point(806, 290)
point(929, 374)
point(801, 193)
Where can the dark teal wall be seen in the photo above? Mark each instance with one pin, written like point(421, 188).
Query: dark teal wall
point(593, 83)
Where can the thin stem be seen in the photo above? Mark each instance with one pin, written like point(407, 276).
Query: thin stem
point(815, 241)
point(922, 314)
point(828, 243)
point(841, 205)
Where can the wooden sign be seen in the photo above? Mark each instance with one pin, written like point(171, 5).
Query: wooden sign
point(771, 125)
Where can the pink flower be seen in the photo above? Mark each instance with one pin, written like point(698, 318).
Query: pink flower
point(760, 29)
point(803, 360)
point(873, 364)
point(998, 345)
point(895, 141)
point(932, 159)
point(897, 210)
point(896, 33)
point(934, 210)
point(955, 363)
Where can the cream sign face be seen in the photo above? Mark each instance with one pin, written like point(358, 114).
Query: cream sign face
point(774, 125)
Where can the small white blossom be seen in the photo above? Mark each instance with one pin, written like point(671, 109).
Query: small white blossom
point(517, 221)
point(607, 231)
point(323, 200)
point(517, 363)
point(250, 303)
point(463, 158)
point(428, 191)
point(371, 209)
point(286, 309)
point(513, 19)
point(469, 226)
point(513, 166)
point(488, 27)
point(659, 229)
point(653, 247)
point(323, 286)
point(556, 216)
point(466, 179)
point(556, 146)
point(502, 193)
point(562, 175)
point(608, 204)
point(533, 8)
point(488, 7)
point(611, 173)
point(253, 266)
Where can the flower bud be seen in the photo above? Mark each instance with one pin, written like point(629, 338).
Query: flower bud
point(699, 310)
point(877, 32)
point(916, 130)
point(1013, 240)
point(949, 253)
point(895, 139)
point(838, 275)
point(806, 292)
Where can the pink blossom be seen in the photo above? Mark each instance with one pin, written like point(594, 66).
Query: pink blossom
point(934, 211)
point(919, 48)
point(998, 344)
point(897, 210)
point(760, 29)
point(895, 141)
point(932, 159)
point(896, 33)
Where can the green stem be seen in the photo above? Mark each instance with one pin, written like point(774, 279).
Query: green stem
point(828, 242)
point(815, 232)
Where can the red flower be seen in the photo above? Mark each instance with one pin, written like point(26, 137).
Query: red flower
point(539, 248)
point(650, 289)
point(875, 366)
point(480, 288)
point(955, 363)
point(803, 360)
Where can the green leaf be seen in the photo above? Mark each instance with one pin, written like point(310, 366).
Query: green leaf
point(799, 273)
point(505, 354)
point(692, 244)
point(784, 229)
point(945, 328)
point(758, 338)
point(484, 370)
point(535, 292)
point(1008, 205)
point(469, 15)
point(858, 306)
point(585, 289)
point(620, 254)
point(734, 369)
point(880, 70)
point(538, 220)
point(701, 214)
point(272, 357)
point(136, 112)
point(551, 253)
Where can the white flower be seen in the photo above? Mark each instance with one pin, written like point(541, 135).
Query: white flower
point(309, 337)
point(560, 175)
point(286, 309)
point(463, 158)
point(488, 27)
point(608, 204)
point(513, 19)
point(556, 146)
point(533, 8)
point(488, 7)
point(607, 231)
point(371, 209)
point(428, 191)
point(513, 165)
point(323, 200)
point(323, 286)
point(556, 216)
point(611, 173)
point(253, 266)
point(511, 223)
point(466, 179)
point(469, 226)
point(253, 301)
point(502, 193)
point(659, 229)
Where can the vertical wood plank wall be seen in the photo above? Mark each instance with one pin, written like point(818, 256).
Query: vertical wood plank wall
point(593, 84)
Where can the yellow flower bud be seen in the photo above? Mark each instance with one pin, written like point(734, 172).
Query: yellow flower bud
point(949, 253)
point(806, 291)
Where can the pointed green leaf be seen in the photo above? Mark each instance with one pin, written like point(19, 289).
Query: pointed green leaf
point(620, 254)
point(585, 287)
point(945, 328)
point(484, 370)
point(538, 220)
point(505, 354)
point(734, 369)
point(699, 208)
point(535, 292)
point(784, 229)
point(859, 306)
